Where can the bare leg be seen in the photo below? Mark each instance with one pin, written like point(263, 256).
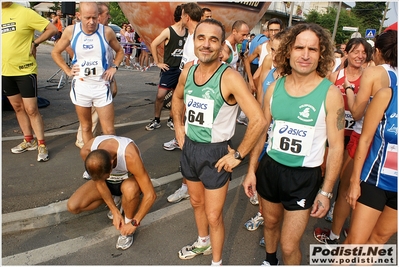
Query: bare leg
point(106, 115)
point(84, 116)
point(22, 117)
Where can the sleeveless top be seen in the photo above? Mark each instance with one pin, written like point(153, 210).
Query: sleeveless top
point(299, 132)
point(381, 165)
point(188, 51)
point(258, 39)
point(90, 52)
point(58, 24)
point(233, 58)
point(173, 51)
point(263, 53)
point(210, 119)
point(392, 80)
point(120, 172)
point(339, 82)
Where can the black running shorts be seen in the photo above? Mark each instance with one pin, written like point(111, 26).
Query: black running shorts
point(169, 78)
point(377, 198)
point(25, 85)
point(114, 187)
point(294, 187)
point(198, 163)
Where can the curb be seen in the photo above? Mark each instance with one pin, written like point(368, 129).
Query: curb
point(56, 213)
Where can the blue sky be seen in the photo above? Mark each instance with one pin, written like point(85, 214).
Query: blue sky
point(392, 14)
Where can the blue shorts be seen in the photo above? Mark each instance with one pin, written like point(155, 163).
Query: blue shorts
point(169, 78)
point(198, 163)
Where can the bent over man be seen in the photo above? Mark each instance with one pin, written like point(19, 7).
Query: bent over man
point(116, 168)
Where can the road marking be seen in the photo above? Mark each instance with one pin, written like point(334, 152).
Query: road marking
point(11, 138)
point(47, 253)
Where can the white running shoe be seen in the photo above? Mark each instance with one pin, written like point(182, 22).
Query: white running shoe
point(254, 199)
point(254, 223)
point(25, 146)
point(171, 145)
point(190, 251)
point(242, 120)
point(153, 125)
point(124, 241)
point(170, 124)
point(86, 175)
point(178, 195)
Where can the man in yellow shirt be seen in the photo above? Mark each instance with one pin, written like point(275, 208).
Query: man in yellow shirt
point(19, 71)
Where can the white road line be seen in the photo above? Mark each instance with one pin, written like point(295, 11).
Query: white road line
point(10, 138)
point(47, 253)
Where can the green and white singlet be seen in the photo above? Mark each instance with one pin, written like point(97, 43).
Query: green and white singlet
point(299, 133)
point(209, 118)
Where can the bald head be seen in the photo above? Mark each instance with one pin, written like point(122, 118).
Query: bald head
point(98, 164)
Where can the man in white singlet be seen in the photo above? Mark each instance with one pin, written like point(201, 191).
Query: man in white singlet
point(91, 69)
point(116, 168)
point(240, 31)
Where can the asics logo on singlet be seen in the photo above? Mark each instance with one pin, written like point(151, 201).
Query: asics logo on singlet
point(196, 104)
point(88, 47)
point(292, 131)
point(89, 63)
point(394, 115)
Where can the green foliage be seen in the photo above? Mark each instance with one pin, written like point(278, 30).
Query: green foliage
point(117, 16)
point(327, 21)
point(56, 6)
point(369, 13)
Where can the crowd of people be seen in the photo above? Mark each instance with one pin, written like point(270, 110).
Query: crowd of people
point(341, 124)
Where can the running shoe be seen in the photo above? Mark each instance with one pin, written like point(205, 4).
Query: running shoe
point(190, 251)
point(124, 241)
point(42, 154)
point(171, 145)
point(254, 199)
point(242, 120)
point(266, 263)
point(262, 242)
point(178, 195)
point(254, 223)
point(323, 236)
point(153, 125)
point(86, 175)
point(118, 204)
point(170, 124)
point(329, 216)
point(24, 146)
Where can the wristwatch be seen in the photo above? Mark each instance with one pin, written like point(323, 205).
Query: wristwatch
point(135, 223)
point(114, 66)
point(350, 87)
point(237, 155)
point(324, 193)
point(35, 44)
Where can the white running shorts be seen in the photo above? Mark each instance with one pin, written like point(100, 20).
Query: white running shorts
point(89, 93)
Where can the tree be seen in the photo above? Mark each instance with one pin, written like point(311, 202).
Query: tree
point(117, 16)
point(327, 21)
point(369, 13)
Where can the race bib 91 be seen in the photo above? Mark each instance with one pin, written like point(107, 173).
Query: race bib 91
point(90, 68)
point(292, 138)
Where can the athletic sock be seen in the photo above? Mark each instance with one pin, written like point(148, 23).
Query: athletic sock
point(203, 241)
point(28, 138)
point(333, 236)
point(272, 258)
point(170, 119)
point(127, 220)
point(158, 119)
point(184, 187)
point(41, 142)
point(216, 263)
